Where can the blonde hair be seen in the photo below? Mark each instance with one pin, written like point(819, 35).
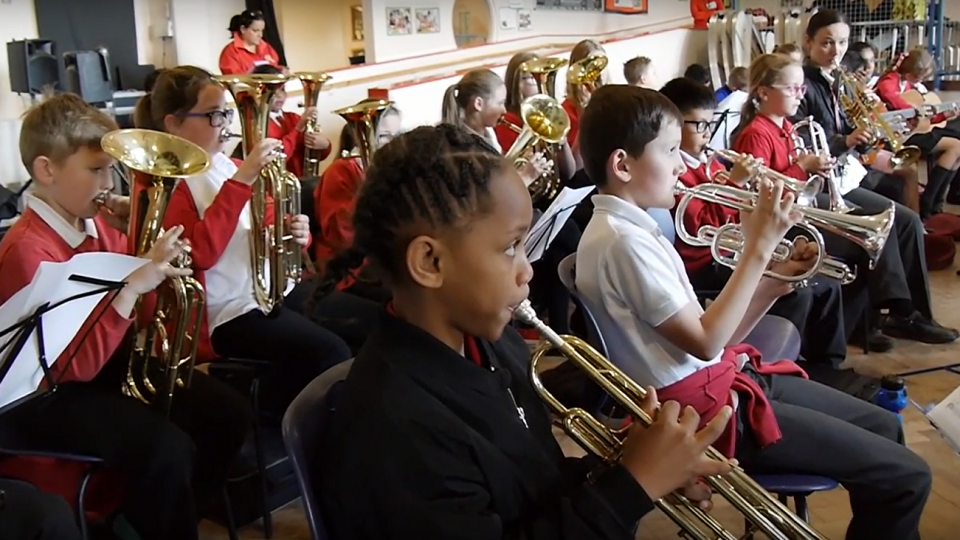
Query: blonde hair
point(738, 78)
point(788, 49)
point(580, 51)
point(513, 77)
point(635, 68)
point(59, 126)
point(765, 70)
point(474, 83)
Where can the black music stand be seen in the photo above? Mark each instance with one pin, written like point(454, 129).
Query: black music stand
point(720, 121)
point(545, 229)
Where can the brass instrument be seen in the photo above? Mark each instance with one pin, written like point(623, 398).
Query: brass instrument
point(726, 242)
point(162, 160)
point(544, 71)
point(806, 192)
point(543, 120)
point(312, 84)
point(274, 256)
point(759, 507)
point(364, 117)
point(587, 70)
point(818, 147)
point(864, 113)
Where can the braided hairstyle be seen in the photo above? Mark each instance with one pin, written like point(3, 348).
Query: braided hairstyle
point(429, 178)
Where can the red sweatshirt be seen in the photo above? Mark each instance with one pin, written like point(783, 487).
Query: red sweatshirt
point(574, 113)
point(763, 139)
point(708, 390)
point(235, 59)
point(505, 135)
point(334, 200)
point(284, 129)
point(698, 214)
point(889, 89)
point(32, 240)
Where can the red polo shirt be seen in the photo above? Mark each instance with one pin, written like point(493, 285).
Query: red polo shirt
point(506, 136)
point(574, 113)
point(698, 214)
point(889, 89)
point(236, 59)
point(763, 139)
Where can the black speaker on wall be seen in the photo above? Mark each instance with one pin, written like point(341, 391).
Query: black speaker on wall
point(33, 66)
point(87, 74)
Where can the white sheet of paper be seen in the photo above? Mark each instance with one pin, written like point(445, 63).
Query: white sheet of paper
point(61, 324)
point(559, 211)
point(945, 416)
point(852, 173)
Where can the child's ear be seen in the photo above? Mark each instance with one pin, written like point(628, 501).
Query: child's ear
point(170, 123)
point(617, 168)
point(423, 262)
point(42, 170)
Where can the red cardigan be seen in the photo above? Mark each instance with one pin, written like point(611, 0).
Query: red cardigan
point(708, 390)
point(236, 59)
point(698, 214)
point(334, 199)
point(285, 130)
point(889, 90)
point(574, 113)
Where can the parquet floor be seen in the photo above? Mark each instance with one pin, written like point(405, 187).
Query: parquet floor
point(830, 511)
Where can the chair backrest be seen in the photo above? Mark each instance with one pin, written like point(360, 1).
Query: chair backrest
point(568, 272)
point(304, 427)
point(664, 220)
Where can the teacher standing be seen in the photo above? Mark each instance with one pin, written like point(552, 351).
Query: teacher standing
point(247, 50)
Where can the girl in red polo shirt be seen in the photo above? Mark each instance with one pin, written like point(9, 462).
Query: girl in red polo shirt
point(247, 49)
point(578, 95)
point(214, 209)
point(287, 127)
point(940, 145)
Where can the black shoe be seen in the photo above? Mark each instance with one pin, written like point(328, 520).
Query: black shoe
point(876, 342)
point(916, 327)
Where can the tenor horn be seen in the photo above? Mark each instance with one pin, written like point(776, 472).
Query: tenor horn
point(364, 117)
point(165, 350)
point(312, 84)
point(760, 508)
point(274, 256)
point(544, 121)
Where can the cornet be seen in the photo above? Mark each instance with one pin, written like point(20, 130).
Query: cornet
point(806, 192)
point(761, 509)
point(818, 147)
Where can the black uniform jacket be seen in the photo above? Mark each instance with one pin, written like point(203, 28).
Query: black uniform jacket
point(821, 103)
point(427, 445)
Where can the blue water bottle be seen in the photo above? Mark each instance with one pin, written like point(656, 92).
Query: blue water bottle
point(893, 395)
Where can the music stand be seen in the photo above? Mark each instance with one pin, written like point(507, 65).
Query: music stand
point(546, 228)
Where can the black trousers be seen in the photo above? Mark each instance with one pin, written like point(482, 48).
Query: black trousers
point(26, 513)
point(816, 310)
point(174, 465)
point(900, 275)
point(546, 288)
point(300, 348)
point(827, 432)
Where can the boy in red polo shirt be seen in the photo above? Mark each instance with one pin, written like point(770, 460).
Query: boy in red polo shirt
point(636, 285)
point(171, 465)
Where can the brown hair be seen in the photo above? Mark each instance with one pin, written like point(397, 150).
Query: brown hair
point(512, 78)
point(738, 78)
point(474, 83)
point(788, 49)
point(59, 126)
point(635, 68)
point(580, 51)
point(765, 70)
point(175, 92)
point(918, 62)
point(348, 135)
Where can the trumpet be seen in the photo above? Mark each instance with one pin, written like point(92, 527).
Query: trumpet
point(760, 508)
point(806, 192)
point(544, 120)
point(819, 146)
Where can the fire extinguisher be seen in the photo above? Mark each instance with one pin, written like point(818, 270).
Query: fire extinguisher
point(702, 10)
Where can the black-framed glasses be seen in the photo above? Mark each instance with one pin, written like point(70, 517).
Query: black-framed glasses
point(218, 118)
point(701, 126)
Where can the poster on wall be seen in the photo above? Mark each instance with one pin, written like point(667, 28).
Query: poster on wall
point(427, 20)
point(628, 7)
point(399, 21)
point(524, 20)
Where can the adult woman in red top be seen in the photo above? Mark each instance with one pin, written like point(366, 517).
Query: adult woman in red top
point(776, 87)
point(287, 127)
point(247, 49)
point(938, 145)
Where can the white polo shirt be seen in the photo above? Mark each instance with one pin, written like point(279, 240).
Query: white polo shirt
point(633, 280)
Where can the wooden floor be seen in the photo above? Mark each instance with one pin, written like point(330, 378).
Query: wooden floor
point(830, 511)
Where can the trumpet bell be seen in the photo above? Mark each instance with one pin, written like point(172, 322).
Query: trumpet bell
point(905, 157)
point(156, 153)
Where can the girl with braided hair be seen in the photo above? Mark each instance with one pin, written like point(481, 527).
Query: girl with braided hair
point(437, 432)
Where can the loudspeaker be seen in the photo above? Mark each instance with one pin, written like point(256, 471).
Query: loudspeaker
point(88, 76)
point(33, 66)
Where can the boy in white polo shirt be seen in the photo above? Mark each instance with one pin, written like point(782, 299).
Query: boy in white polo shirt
point(634, 281)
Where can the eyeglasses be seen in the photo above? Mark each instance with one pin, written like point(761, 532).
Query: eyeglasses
point(700, 125)
point(792, 90)
point(218, 118)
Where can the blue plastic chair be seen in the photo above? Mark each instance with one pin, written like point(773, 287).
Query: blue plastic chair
point(304, 426)
point(780, 338)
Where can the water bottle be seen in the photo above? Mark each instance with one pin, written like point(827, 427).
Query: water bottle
point(893, 395)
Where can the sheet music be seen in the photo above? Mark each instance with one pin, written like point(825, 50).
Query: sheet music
point(548, 226)
point(945, 416)
point(51, 284)
point(852, 173)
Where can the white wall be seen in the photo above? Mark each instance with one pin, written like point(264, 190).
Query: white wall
point(317, 34)
point(19, 22)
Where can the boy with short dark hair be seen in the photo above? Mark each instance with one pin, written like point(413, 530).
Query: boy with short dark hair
point(636, 285)
point(170, 465)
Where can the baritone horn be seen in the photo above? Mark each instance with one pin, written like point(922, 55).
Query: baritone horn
point(762, 510)
point(274, 255)
point(364, 117)
point(805, 191)
point(167, 344)
point(544, 120)
point(312, 84)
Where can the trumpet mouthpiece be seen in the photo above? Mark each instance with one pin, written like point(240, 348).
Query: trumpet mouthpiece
point(525, 313)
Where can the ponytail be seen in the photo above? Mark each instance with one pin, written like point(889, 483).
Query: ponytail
point(451, 113)
point(143, 114)
point(747, 114)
